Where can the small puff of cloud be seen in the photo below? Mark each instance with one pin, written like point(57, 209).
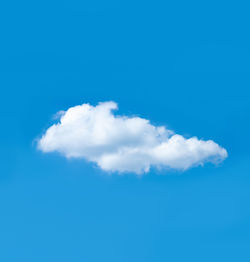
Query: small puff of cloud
point(124, 144)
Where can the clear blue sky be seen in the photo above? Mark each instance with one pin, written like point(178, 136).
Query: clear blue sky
point(184, 64)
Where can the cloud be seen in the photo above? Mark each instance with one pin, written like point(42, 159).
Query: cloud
point(124, 144)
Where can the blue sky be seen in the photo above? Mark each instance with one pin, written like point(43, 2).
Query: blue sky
point(182, 65)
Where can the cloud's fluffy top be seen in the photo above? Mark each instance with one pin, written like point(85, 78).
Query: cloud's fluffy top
point(124, 144)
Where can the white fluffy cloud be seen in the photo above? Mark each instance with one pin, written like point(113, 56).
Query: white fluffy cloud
point(124, 144)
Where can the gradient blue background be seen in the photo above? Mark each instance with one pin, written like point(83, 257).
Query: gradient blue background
point(184, 64)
